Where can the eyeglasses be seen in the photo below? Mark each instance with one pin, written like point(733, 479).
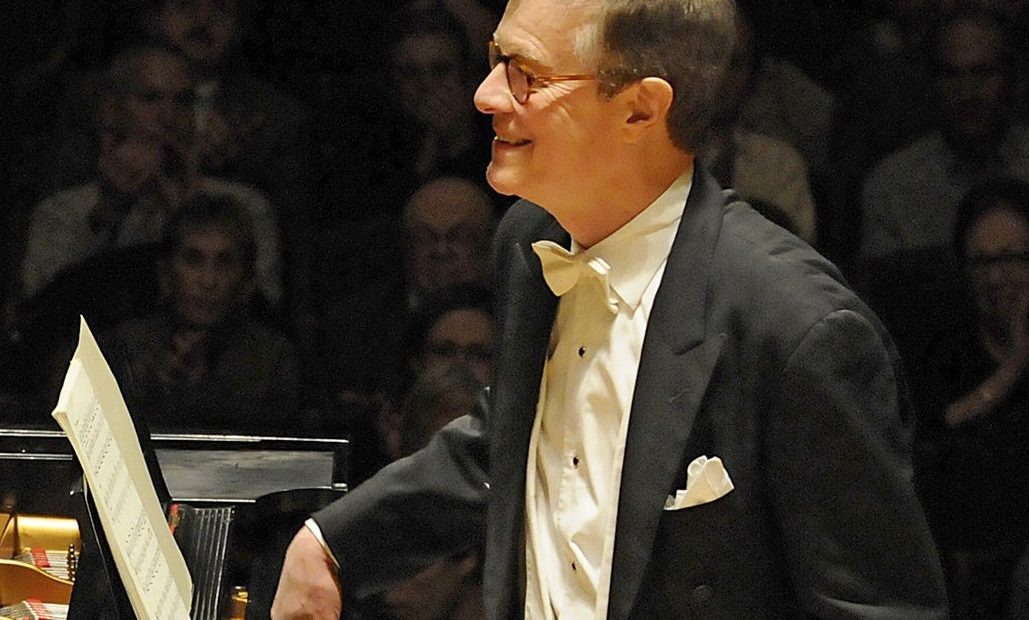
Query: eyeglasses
point(523, 83)
point(1005, 260)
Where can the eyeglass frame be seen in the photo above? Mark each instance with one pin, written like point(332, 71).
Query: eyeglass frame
point(532, 82)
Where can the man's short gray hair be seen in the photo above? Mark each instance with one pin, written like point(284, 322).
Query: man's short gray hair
point(686, 42)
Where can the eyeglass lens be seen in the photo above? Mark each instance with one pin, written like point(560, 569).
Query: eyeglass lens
point(517, 80)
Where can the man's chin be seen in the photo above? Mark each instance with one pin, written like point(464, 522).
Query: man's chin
point(501, 180)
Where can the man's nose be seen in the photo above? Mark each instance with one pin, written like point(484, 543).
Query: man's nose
point(209, 275)
point(493, 95)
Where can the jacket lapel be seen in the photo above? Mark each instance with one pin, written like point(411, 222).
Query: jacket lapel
point(526, 332)
point(676, 363)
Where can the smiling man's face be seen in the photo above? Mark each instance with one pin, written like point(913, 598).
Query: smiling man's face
point(547, 148)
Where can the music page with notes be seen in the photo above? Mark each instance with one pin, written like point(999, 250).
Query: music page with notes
point(93, 414)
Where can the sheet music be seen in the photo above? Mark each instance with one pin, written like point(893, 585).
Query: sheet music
point(93, 414)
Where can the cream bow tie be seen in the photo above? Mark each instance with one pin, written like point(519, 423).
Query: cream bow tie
point(562, 269)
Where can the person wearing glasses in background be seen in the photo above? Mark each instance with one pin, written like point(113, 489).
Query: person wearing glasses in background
point(691, 416)
point(972, 386)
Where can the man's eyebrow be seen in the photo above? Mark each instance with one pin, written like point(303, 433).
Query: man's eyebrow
point(525, 61)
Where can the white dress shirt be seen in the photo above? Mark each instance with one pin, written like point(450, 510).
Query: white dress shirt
point(578, 437)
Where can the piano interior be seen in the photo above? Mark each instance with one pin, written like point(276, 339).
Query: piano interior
point(37, 557)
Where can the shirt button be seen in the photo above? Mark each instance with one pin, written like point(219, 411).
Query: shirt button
point(574, 567)
point(575, 461)
point(582, 351)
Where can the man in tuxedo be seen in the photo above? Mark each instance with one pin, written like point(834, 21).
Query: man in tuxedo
point(691, 415)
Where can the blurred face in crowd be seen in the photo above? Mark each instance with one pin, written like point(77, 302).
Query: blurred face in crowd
point(972, 80)
point(447, 226)
point(428, 73)
point(203, 29)
point(997, 255)
point(208, 275)
point(464, 336)
point(159, 101)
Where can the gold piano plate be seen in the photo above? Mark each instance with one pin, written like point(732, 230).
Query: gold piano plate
point(20, 580)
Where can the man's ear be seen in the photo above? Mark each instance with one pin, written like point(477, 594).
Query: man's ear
point(647, 104)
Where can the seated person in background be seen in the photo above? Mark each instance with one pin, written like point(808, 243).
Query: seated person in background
point(203, 363)
point(444, 237)
point(454, 329)
point(757, 165)
point(781, 100)
point(440, 395)
point(445, 232)
point(456, 326)
point(147, 168)
point(974, 474)
point(425, 126)
point(910, 197)
point(247, 130)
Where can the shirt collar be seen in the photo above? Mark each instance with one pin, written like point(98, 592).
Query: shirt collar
point(636, 251)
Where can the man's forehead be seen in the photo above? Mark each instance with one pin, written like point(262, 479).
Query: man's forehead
point(530, 24)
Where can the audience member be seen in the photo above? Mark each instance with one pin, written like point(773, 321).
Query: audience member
point(248, 131)
point(202, 362)
point(440, 395)
point(974, 391)
point(145, 170)
point(760, 167)
point(423, 124)
point(444, 238)
point(456, 326)
point(909, 198)
point(781, 101)
point(447, 228)
point(453, 329)
point(886, 101)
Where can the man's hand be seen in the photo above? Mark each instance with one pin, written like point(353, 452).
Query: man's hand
point(308, 585)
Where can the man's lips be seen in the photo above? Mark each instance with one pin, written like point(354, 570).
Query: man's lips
point(511, 141)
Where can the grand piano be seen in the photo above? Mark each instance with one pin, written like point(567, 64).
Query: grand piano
point(234, 501)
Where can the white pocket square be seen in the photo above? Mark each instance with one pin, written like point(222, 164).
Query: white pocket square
point(706, 481)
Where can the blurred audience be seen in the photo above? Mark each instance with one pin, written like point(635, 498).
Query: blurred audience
point(443, 239)
point(440, 395)
point(248, 130)
point(885, 101)
point(779, 100)
point(146, 168)
point(974, 438)
point(758, 166)
point(415, 120)
point(203, 362)
point(909, 198)
point(450, 347)
point(930, 100)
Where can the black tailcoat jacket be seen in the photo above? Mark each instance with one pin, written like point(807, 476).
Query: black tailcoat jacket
point(756, 352)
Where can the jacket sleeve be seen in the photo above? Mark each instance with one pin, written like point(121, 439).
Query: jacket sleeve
point(838, 467)
point(417, 510)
